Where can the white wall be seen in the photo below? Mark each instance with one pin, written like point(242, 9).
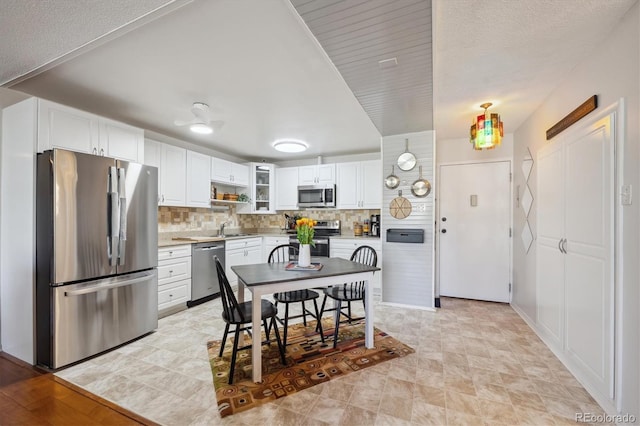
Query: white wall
point(611, 72)
point(461, 151)
point(407, 270)
point(17, 247)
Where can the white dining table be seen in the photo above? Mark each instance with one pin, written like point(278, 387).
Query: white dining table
point(262, 279)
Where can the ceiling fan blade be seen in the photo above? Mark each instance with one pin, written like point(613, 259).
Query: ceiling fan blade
point(185, 123)
point(217, 124)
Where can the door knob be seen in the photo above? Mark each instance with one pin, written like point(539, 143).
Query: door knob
point(444, 231)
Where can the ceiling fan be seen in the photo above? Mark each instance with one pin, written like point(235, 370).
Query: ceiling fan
point(202, 122)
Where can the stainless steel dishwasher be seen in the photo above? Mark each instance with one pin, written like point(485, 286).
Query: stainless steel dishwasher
point(204, 278)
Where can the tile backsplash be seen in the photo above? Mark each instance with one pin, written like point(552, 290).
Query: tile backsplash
point(188, 219)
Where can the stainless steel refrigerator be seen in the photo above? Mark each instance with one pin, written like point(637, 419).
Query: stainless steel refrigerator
point(96, 255)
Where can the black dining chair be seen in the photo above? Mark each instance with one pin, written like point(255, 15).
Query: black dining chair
point(239, 315)
point(282, 253)
point(349, 292)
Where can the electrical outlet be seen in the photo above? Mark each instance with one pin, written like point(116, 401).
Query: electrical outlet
point(626, 195)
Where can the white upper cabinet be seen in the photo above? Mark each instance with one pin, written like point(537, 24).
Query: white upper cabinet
point(64, 127)
point(371, 184)
point(121, 141)
point(321, 174)
point(262, 188)
point(198, 184)
point(359, 185)
point(287, 188)
point(228, 172)
point(173, 167)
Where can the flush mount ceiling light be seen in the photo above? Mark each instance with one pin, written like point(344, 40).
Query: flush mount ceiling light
point(290, 145)
point(487, 130)
point(201, 128)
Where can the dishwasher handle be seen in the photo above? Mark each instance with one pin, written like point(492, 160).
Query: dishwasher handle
point(209, 248)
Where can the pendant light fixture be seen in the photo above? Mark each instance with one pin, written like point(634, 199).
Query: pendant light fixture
point(486, 131)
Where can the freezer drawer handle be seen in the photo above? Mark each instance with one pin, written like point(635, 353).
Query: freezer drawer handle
point(101, 287)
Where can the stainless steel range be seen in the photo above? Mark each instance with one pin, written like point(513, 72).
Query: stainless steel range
point(324, 229)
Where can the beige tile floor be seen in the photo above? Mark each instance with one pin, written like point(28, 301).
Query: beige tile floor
point(476, 363)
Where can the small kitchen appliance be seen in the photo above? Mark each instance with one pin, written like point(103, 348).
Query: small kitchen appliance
point(374, 224)
point(317, 196)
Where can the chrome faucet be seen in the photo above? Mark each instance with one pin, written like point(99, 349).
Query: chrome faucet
point(221, 230)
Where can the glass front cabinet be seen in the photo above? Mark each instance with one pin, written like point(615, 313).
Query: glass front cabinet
point(262, 185)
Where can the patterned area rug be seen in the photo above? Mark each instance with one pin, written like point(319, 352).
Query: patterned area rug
point(309, 362)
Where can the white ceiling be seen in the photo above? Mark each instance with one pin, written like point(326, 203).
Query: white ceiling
point(258, 62)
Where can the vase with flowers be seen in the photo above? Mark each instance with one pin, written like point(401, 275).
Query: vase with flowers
point(305, 232)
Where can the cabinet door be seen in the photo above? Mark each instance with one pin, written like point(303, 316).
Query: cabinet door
point(326, 174)
point(173, 175)
point(287, 188)
point(198, 180)
point(550, 261)
point(307, 175)
point(121, 141)
point(264, 188)
point(232, 258)
point(63, 127)
point(371, 184)
point(348, 182)
point(253, 255)
point(221, 170)
point(153, 157)
point(240, 174)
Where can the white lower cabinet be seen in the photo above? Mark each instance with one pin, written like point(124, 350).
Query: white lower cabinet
point(241, 251)
point(270, 243)
point(174, 278)
point(344, 248)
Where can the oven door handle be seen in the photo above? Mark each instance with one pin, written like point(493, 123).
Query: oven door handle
point(325, 242)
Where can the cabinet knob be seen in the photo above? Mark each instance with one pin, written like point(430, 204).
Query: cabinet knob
point(102, 152)
point(444, 231)
point(170, 272)
point(94, 151)
point(170, 253)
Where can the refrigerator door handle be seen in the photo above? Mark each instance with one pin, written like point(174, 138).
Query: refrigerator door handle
point(106, 286)
point(122, 240)
point(113, 225)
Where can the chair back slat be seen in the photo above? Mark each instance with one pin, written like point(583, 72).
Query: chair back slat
point(229, 302)
point(282, 253)
point(367, 256)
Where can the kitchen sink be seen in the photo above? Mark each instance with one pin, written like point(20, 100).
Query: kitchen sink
point(235, 235)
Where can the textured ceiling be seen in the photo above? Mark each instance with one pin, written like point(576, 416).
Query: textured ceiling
point(383, 51)
point(278, 69)
point(512, 53)
point(35, 32)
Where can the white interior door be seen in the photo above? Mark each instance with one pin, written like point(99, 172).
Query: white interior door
point(474, 238)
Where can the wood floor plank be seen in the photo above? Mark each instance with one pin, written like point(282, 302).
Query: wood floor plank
point(12, 413)
point(31, 396)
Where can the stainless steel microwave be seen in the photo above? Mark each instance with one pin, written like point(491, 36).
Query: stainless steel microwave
point(317, 196)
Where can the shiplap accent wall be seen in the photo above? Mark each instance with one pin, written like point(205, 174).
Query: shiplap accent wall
point(408, 269)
